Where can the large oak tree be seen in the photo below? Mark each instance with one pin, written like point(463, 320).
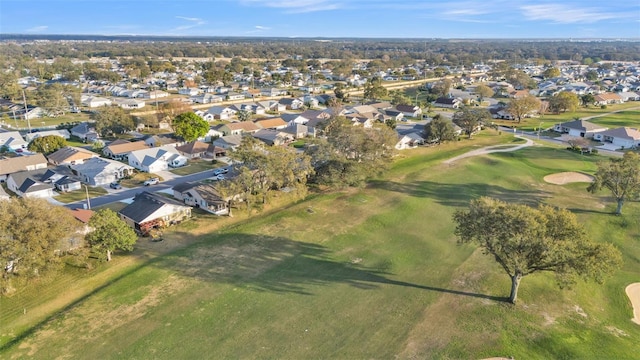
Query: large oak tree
point(621, 176)
point(526, 240)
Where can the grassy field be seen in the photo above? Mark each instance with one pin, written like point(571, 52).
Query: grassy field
point(365, 273)
point(622, 118)
point(138, 179)
point(76, 195)
point(196, 166)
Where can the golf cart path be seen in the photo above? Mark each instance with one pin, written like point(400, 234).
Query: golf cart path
point(492, 149)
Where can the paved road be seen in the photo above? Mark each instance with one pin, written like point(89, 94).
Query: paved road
point(129, 193)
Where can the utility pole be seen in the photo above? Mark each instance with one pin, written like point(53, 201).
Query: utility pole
point(26, 117)
point(86, 189)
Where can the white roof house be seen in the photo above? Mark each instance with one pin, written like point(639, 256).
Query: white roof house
point(63, 133)
point(13, 140)
point(156, 159)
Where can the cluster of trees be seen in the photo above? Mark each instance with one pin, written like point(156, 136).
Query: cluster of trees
point(347, 155)
point(522, 106)
point(112, 120)
point(37, 237)
point(436, 52)
point(190, 126)
point(564, 102)
point(47, 144)
point(265, 170)
point(621, 176)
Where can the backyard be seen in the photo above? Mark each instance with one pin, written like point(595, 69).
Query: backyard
point(374, 272)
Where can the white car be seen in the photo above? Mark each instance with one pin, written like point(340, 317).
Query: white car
point(218, 177)
point(220, 171)
point(152, 181)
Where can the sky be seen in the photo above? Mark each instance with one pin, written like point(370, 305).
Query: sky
point(326, 18)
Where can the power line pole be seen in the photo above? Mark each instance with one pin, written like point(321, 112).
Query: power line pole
point(26, 113)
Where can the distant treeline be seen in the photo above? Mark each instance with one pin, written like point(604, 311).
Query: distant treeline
point(434, 51)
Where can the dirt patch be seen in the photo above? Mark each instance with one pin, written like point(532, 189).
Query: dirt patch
point(567, 177)
point(633, 292)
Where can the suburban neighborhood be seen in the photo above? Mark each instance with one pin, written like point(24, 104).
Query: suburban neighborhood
point(240, 194)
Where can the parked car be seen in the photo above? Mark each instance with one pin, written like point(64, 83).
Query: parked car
point(220, 171)
point(115, 185)
point(218, 177)
point(152, 181)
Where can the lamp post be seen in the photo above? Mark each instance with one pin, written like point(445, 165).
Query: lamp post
point(539, 127)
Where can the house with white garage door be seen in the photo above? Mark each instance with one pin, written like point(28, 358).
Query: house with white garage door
point(579, 128)
point(619, 138)
point(156, 159)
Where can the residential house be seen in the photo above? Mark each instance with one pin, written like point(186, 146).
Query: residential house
point(393, 114)
point(358, 120)
point(202, 195)
point(273, 92)
point(621, 138)
point(18, 112)
point(298, 131)
point(130, 104)
point(447, 102)
point(85, 132)
point(94, 101)
point(232, 96)
point(272, 106)
point(155, 94)
point(30, 184)
point(271, 123)
point(273, 137)
point(156, 159)
point(518, 94)
point(189, 91)
point(221, 112)
point(70, 155)
point(251, 108)
point(63, 133)
point(607, 98)
point(228, 142)
point(409, 110)
point(149, 210)
point(213, 133)
point(206, 98)
point(291, 103)
point(205, 115)
point(12, 140)
point(99, 171)
point(629, 96)
point(236, 128)
point(161, 140)
point(579, 128)
point(120, 149)
point(21, 163)
point(409, 141)
point(196, 149)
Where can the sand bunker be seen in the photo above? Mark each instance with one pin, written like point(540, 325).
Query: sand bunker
point(633, 292)
point(567, 177)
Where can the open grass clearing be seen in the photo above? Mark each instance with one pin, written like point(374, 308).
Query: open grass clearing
point(77, 195)
point(196, 166)
point(137, 179)
point(376, 266)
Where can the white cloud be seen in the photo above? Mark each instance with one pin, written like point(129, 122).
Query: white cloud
point(260, 27)
point(193, 22)
point(296, 6)
point(564, 14)
point(36, 29)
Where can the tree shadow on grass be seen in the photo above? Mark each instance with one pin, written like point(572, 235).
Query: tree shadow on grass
point(276, 264)
point(460, 194)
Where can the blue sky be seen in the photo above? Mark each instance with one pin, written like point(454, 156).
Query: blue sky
point(326, 18)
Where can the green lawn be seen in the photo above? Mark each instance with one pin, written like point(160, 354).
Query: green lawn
point(196, 166)
point(77, 195)
point(137, 179)
point(629, 118)
point(365, 273)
